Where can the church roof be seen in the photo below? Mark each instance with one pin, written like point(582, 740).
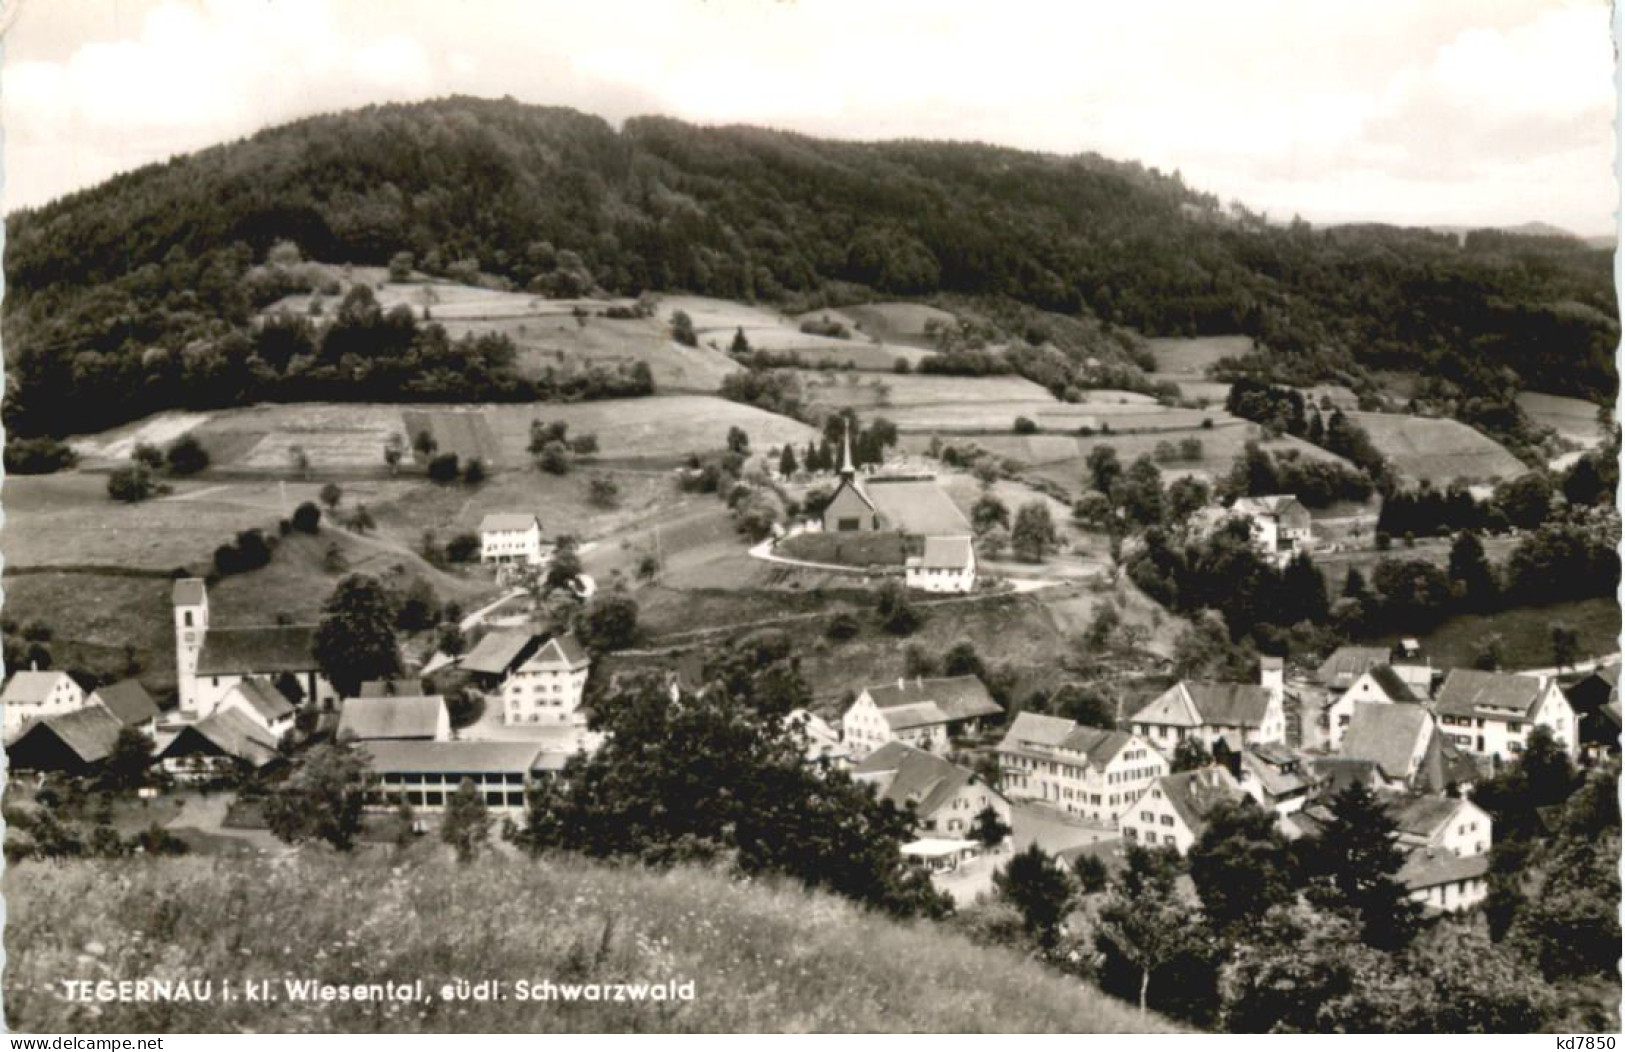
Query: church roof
point(259, 650)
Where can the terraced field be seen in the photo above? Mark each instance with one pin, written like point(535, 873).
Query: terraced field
point(1573, 418)
point(1436, 449)
point(465, 432)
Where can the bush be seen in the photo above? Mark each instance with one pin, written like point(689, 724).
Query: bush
point(37, 456)
point(841, 627)
point(444, 468)
point(603, 492)
point(463, 548)
point(1025, 426)
point(187, 456)
point(131, 485)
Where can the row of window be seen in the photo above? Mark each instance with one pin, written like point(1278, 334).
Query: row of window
point(488, 778)
point(1150, 818)
point(1129, 832)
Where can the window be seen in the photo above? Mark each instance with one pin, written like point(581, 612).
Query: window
point(1167, 820)
point(188, 619)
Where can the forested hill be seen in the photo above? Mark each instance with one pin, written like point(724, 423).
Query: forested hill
point(156, 258)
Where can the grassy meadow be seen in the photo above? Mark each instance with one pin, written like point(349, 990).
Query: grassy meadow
point(764, 956)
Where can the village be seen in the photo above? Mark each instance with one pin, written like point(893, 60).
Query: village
point(977, 781)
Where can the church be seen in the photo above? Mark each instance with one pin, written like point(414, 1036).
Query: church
point(909, 504)
point(211, 662)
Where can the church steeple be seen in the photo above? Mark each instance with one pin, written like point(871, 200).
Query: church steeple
point(848, 472)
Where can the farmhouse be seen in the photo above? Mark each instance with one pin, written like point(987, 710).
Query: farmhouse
point(32, 694)
point(1443, 824)
point(943, 798)
point(1444, 882)
point(224, 741)
point(922, 712)
point(209, 662)
point(426, 773)
point(1082, 770)
point(1281, 525)
point(547, 687)
point(510, 537)
point(497, 655)
point(1491, 713)
point(1240, 713)
point(947, 565)
point(261, 703)
point(401, 718)
point(1393, 737)
point(68, 742)
point(1347, 664)
point(1174, 810)
point(1377, 684)
point(129, 703)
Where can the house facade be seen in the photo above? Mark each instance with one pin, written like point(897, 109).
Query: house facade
point(426, 774)
point(925, 713)
point(221, 743)
point(1239, 713)
point(948, 564)
point(1443, 824)
point(1093, 773)
point(32, 695)
point(129, 703)
point(1281, 525)
point(511, 538)
point(1445, 883)
point(548, 686)
point(1377, 684)
point(1492, 713)
point(1173, 811)
point(945, 799)
point(261, 704)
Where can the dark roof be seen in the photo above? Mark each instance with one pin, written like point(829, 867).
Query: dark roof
point(129, 701)
point(915, 505)
point(1425, 868)
point(455, 757)
point(512, 521)
point(944, 553)
point(917, 777)
point(1347, 664)
point(1195, 794)
point(271, 704)
point(1333, 774)
point(89, 733)
point(1387, 735)
point(1279, 778)
point(188, 591)
point(1396, 689)
point(260, 649)
point(1421, 816)
point(1445, 764)
point(498, 652)
point(1499, 695)
point(561, 650)
point(392, 688)
point(225, 732)
point(1229, 704)
point(392, 718)
point(955, 697)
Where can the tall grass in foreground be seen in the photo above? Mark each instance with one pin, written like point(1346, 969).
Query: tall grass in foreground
point(764, 957)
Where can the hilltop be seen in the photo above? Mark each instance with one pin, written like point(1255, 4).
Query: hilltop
point(764, 957)
point(138, 295)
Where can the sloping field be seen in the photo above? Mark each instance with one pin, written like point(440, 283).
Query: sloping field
point(120, 443)
point(465, 432)
point(841, 390)
point(1440, 450)
point(888, 322)
point(1573, 418)
point(342, 436)
point(1191, 358)
point(764, 955)
point(562, 343)
point(664, 426)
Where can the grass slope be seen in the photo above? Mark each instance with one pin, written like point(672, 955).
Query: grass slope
point(764, 957)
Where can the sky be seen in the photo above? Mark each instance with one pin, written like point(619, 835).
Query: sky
point(1438, 112)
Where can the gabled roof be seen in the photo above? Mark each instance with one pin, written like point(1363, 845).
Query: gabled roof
point(1391, 684)
point(1035, 734)
point(1191, 704)
point(1347, 664)
point(851, 486)
point(1195, 794)
point(227, 732)
point(188, 591)
point(1390, 736)
point(915, 505)
point(369, 719)
point(1494, 695)
point(29, 687)
point(258, 650)
point(392, 688)
point(128, 701)
point(564, 650)
point(1424, 816)
point(1333, 774)
point(509, 522)
point(271, 704)
point(1444, 765)
point(498, 652)
point(1273, 505)
point(454, 757)
point(89, 733)
point(913, 776)
point(1278, 779)
point(1425, 868)
point(1038, 729)
point(955, 697)
point(944, 553)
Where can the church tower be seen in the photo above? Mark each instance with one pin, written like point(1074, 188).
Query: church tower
point(848, 472)
point(191, 601)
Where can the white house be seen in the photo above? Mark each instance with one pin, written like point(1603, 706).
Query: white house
point(129, 703)
point(426, 774)
point(1445, 882)
point(1085, 771)
point(1394, 737)
point(948, 564)
point(1174, 810)
point(264, 706)
point(421, 717)
point(1282, 526)
point(943, 798)
point(211, 661)
point(1272, 775)
point(1379, 684)
point(33, 694)
point(511, 537)
point(1240, 713)
point(922, 712)
point(547, 687)
point(1443, 824)
point(1492, 713)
